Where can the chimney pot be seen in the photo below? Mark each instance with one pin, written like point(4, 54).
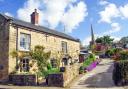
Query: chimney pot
point(35, 17)
point(35, 10)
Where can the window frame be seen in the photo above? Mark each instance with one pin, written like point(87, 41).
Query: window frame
point(24, 65)
point(53, 63)
point(64, 50)
point(22, 48)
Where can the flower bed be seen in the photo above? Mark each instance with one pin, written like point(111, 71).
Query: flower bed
point(92, 66)
point(89, 64)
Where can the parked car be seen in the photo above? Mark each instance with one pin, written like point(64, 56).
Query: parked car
point(103, 56)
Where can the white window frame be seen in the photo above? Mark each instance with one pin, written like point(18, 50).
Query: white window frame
point(25, 39)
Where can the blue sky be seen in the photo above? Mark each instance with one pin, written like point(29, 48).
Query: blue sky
point(108, 17)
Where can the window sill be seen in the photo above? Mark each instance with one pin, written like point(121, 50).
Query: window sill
point(24, 50)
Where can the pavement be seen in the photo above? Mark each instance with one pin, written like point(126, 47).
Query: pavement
point(98, 78)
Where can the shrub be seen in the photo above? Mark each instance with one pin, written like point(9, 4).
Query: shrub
point(120, 72)
point(49, 66)
point(89, 60)
point(124, 55)
point(81, 70)
point(109, 52)
point(51, 71)
point(92, 56)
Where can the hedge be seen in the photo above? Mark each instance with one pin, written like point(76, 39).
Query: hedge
point(120, 72)
point(51, 71)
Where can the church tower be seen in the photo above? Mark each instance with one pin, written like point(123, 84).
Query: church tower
point(92, 36)
point(92, 42)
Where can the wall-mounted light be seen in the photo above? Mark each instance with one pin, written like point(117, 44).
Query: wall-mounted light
point(46, 36)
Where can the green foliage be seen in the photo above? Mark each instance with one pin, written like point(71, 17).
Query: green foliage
point(14, 54)
point(51, 71)
point(81, 70)
point(120, 72)
point(89, 60)
point(99, 40)
point(41, 57)
point(124, 40)
point(49, 66)
point(92, 56)
point(106, 40)
point(118, 53)
point(109, 52)
point(124, 55)
point(113, 51)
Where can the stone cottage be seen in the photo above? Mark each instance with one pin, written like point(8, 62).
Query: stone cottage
point(24, 36)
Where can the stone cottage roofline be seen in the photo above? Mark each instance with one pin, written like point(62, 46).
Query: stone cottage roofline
point(39, 28)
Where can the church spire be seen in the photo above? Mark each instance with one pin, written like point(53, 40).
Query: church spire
point(92, 36)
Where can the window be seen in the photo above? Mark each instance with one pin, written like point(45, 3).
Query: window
point(24, 65)
point(54, 63)
point(65, 61)
point(64, 46)
point(24, 42)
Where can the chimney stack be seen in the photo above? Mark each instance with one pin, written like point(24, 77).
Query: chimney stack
point(35, 17)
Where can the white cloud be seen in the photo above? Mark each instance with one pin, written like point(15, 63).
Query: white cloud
point(55, 9)
point(103, 2)
point(8, 14)
point(74, 16)
point(88, 39)
point(110, 11)
point(116, 38)
point(115, 27)
point(29, 6)
point(53, 12)
point(124, 11)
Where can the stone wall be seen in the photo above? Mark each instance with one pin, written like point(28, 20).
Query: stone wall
point(4, 47)
point(70, 73)
point(29, 80)
point(51, 43)
point(63, 79)
point(12, 47)
point(10, 41)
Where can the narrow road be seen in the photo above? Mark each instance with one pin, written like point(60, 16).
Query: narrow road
point(99, 78)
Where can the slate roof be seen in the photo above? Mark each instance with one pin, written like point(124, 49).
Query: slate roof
point(40, 28)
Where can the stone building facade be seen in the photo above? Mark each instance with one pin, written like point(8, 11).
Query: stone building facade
point(23, 36)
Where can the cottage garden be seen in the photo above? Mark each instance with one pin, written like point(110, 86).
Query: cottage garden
point(61, 63)
point(53, 76)
point(62, 76)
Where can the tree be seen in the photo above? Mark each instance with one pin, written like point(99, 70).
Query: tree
point(41, 57)
point(124, 42)
point(106, 40)
point(99, 40)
